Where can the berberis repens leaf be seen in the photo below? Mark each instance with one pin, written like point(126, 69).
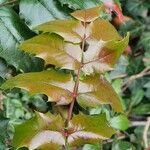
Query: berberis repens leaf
point(47, 131)
point(87, 46)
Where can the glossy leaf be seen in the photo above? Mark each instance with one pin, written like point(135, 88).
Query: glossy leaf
point(47, 131)
point(68, 32)
point(87, 15)
point(107, 55)
point(54, 51)
point(94, 90)
point(142, 109)
point(41, 11)
point(123, 145)
point(78, 4)
point(103, 50)
point(89, 129)
point(36, 132)
point(74, 31)
point(119, 122)
point(53, 84)
point(13, 31)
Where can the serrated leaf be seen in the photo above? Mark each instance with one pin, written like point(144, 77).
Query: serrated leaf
point(89, 129)
point(32, 130)
point(144, 41)
point(47, 131)
point(136, 8)
point(58, 87)
point(54, 51)
point(104, 46)
point(51, 83)
point(87, 15)
point(123, 145)
point(119, 122)
point(94, 90)
point(42, 11)
point(78, 4)
point(13, 31)
point(4, 122)
point(107, 55)
point(74, 31)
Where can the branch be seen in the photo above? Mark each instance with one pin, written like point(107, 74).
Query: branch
point(145, 72)
point(137, 123)
point(145, 133)
point(8, 3)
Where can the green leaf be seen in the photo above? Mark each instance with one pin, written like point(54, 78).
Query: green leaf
point(4, 122)
point(89, 129)
point(142, 109)
point(42, 11)
point(104, 45)
point(54, 50)
point(137, 97)
point(36, 132)
point(95, 90)
point(135, 8)
point(91, 147)
point(123, 145)
point(139, 134)
point(13, 31)
point(144, 41)
point(80, 4)
point(54, 84)
point(47, 131)
point(119, 122)
point(74, 31)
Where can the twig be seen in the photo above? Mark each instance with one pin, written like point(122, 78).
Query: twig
point(8, 3)
point(145, 139)
point(137, 123)
point(145, 72)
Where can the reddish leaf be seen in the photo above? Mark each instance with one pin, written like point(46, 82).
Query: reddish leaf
point(94, 90)
point(87, 15)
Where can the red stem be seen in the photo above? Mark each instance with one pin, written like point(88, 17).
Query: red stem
point(75, 91)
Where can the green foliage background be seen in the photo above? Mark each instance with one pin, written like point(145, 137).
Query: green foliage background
point(130, 78)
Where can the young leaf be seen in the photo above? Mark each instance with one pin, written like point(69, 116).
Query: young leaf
point(36, 132)
point(68, 32)
point(89, 129)
point(51, 83)
point(54, 50)
point(74, 31)
point(105, 55)
point(87, 15)
point(103, 50)
point(94, 91)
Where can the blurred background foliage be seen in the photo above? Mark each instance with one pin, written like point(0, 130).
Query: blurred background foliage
point(130, 78)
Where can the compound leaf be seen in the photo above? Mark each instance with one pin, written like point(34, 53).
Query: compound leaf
point(47, 131)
